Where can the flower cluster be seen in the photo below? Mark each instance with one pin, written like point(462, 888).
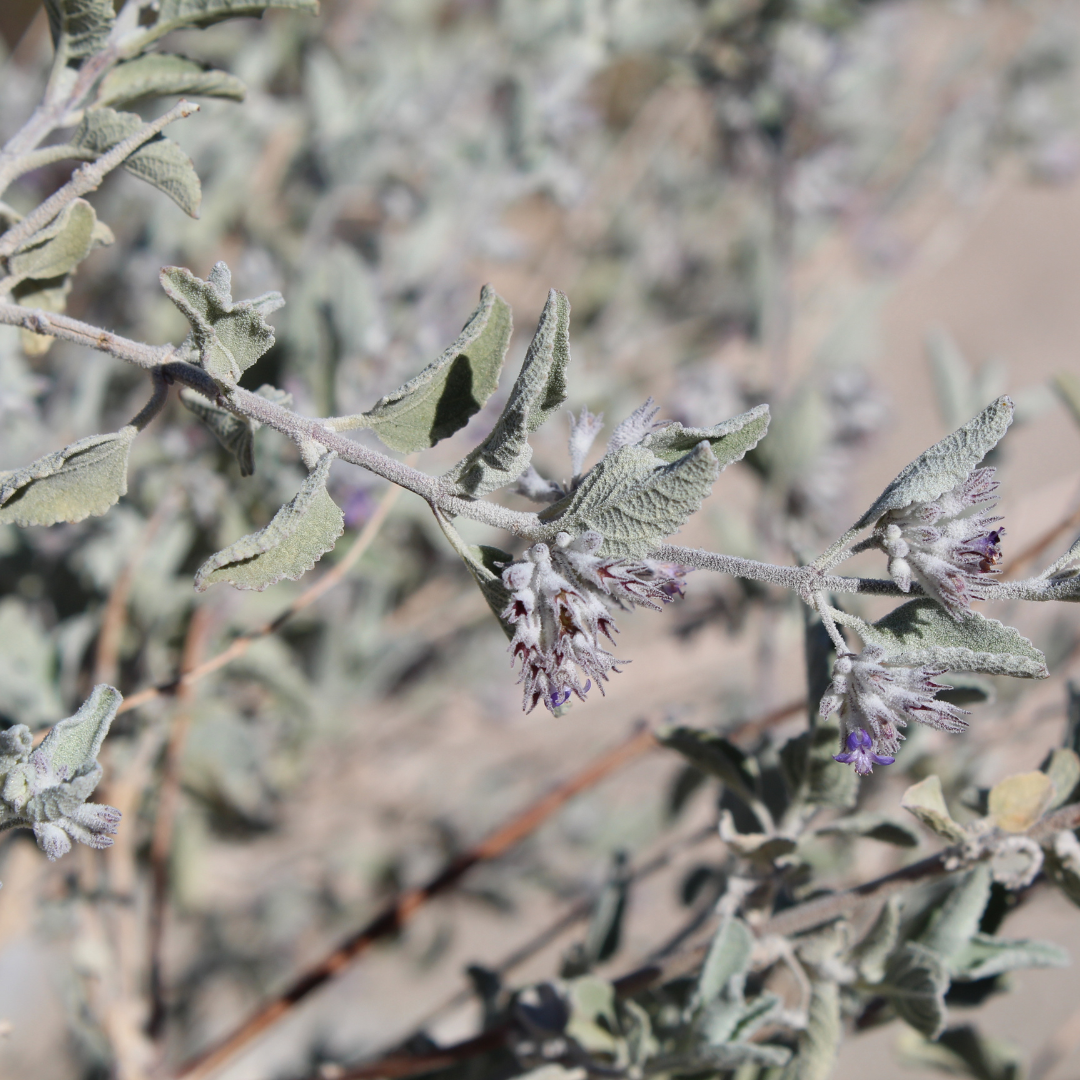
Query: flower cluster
point(947, 545)
point(875, 699)
point(51, 798)
point(559, 608)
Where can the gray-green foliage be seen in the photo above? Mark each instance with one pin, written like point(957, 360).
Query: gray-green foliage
point(450, 390)
point(159, 162)
point(60, 246)
point(299, 534)
point(537, 393)
point(921, 632)
point(46, 789)
point(364, 295)
point(234, 432)
point(945, 464)
point(80, 27)
point(84, 479)
point(229, 336)
point(158, 74)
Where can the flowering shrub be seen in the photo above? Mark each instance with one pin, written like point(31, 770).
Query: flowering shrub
point(600, 542)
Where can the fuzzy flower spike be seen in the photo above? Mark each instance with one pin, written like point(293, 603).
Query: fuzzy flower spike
point(948, 545)
point(875, 699)
point(559, 607)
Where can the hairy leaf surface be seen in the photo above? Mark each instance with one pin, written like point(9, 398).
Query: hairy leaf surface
point(301, 532)
point(230, 336)
point(958, 918)
point(915, 984)
point(730, 441)
point(922, 632)
point(59, 247)
point(73, 744)
point(538, 392)
point(634, 500)
point(82, 480)
point(234, 432)
point(160, 74)
point(927, 802)
point(728, 958)
point(80, 27)
point(174, 14)
point(451, 389)
point(985, 955)
point(160, 161)
point(945, 464)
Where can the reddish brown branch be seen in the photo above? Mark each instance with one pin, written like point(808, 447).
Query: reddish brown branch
point(401, 909)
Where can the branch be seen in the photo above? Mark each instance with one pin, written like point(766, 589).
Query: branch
point(403, 907)
point(88, 178)
point(93, 337)
point(47, 155)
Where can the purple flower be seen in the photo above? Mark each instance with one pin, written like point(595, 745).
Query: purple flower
point(875, 699)
point(559, 607)
point(860, 753)
point(946, 545)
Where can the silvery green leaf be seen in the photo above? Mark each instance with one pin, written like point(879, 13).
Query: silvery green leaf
point(922, 632)
point(592, 1000)
point(634, 500)
point(82, 480)
point(160, 74)
point(875, 827)
point(728, 958)
point(451, 389)
point(301, 532)
point(59, 247)
point(985, 955)
point(159, 161)
point(820, 1041)
point(811, 773)
point(957, 920)
point(80, 27)
point(174, 14)
point(871, 953)
point(1063, 768)
point(730, 441)
point(230, 336)
point(72, 745)
point(915, 984)
point(926, 801)
point(712, 754)
point(234, 432)
point(537, 393)
point(945, 464)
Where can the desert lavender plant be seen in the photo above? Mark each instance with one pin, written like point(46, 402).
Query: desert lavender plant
point(600, 542)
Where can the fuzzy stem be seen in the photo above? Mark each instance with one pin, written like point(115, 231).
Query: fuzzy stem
point(88, 178)
point(47, 155)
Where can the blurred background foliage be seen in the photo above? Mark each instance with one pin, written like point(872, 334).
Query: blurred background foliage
point(732, 193)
